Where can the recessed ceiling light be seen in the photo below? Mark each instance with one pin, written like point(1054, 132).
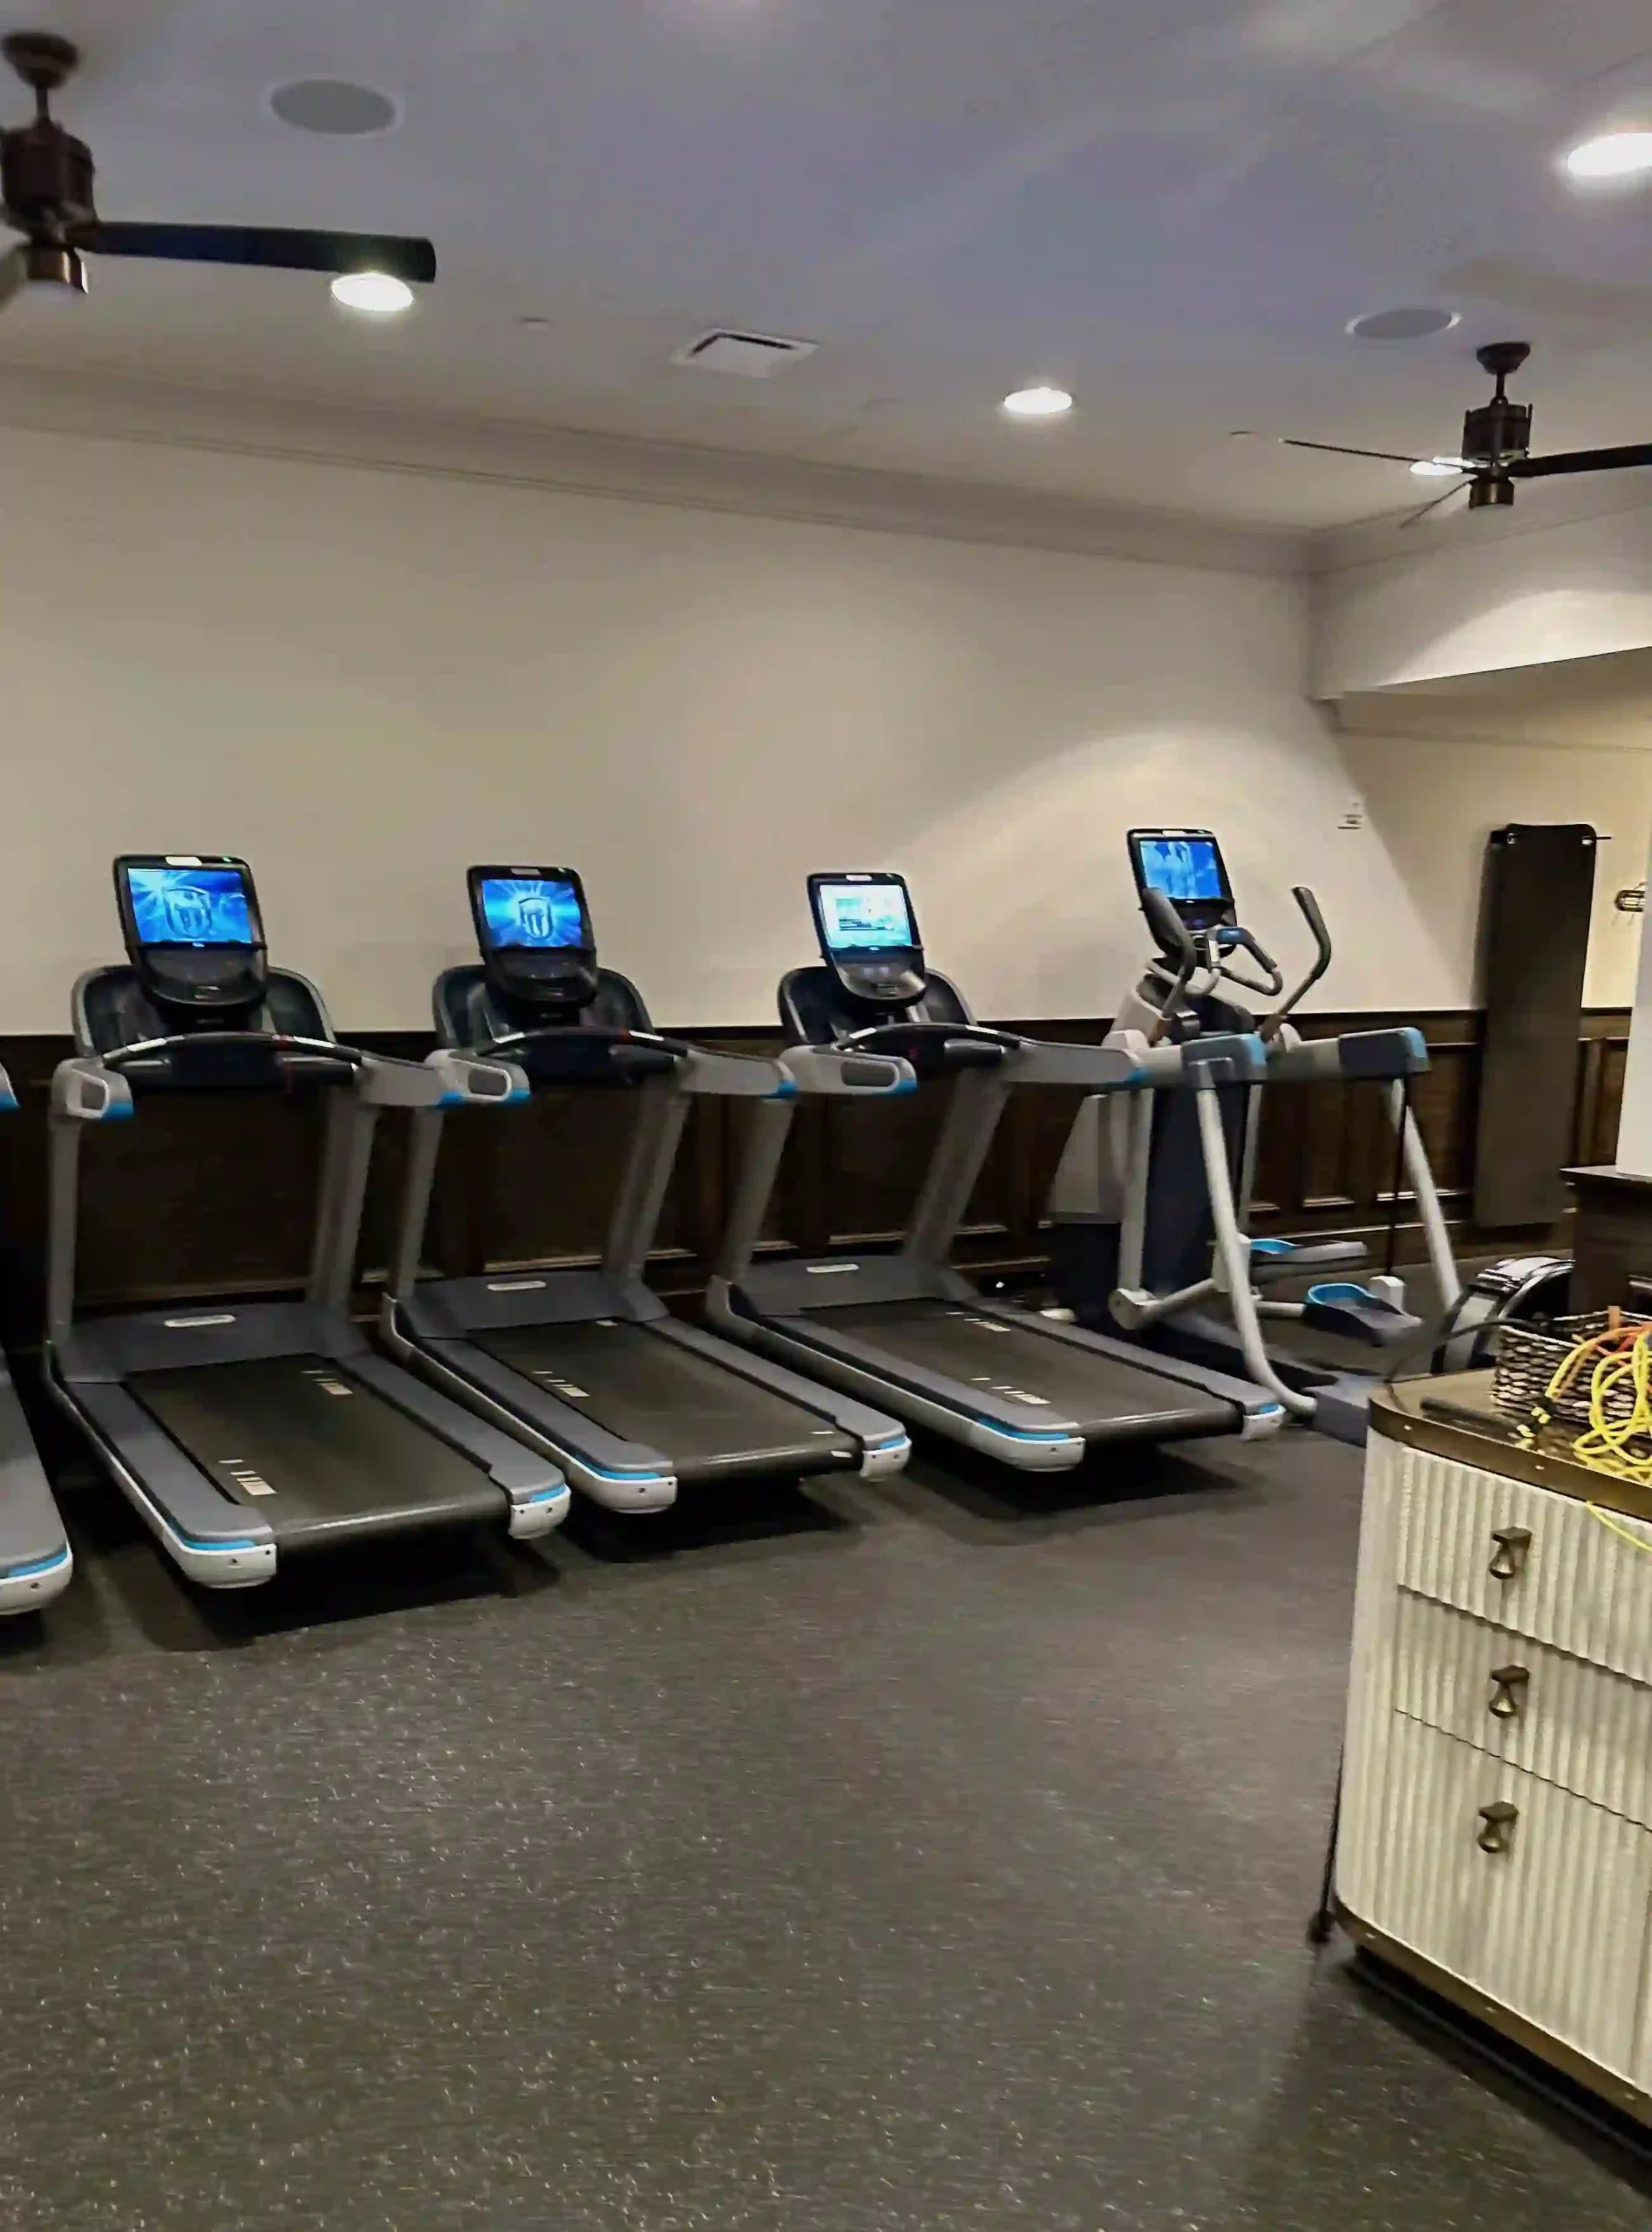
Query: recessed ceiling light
point(375, 292)
point(334, 107)
point(1037, 403)
point(1411, 322)
point(1614, 155)
point(534, 324)
point(1438, 468)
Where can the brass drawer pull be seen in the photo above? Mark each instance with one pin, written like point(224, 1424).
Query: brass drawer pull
point(1514, 1547)
point(1509, 1686)
point(1497, 1826)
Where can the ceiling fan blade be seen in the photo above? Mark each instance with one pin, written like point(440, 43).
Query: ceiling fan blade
point(1415, 519)
point(14, 273)
point(1341, 449)
point(264, 246)
point(1539, 468)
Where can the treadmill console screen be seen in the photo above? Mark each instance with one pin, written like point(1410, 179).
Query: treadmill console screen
point(864, 915)
point(194, 906)
point(1186, 865)
point(532, 912)
point(868, 938)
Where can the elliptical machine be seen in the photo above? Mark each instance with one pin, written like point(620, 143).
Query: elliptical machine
point(1140, 1244)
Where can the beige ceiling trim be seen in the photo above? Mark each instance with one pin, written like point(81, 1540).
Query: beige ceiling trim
point(1536, 511)
point(602, 464)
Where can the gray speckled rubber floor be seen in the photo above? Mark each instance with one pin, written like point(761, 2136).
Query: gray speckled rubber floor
point(924, 1860)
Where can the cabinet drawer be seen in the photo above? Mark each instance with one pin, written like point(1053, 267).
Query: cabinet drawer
point(1528, 1560)
point(1580, 1726)
point(1551, 1925)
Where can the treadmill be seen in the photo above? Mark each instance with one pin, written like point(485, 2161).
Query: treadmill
point(588, 1364)
point(35, 1559)
point(906, 1331)
point(247, 1434)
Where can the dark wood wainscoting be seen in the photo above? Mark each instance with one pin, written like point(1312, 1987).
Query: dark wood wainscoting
point(212, 1197)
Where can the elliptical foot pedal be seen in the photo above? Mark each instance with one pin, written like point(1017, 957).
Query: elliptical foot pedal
point(1356, 1314)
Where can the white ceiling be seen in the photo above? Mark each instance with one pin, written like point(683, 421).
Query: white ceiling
point(1171, 206)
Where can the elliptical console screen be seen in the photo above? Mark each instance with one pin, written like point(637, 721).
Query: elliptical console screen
point(864, 915)
point(189, 905)
point(532, 913)
point(1186, 865)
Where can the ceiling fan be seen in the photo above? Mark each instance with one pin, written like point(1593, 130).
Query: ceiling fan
point(1495, 449)
point(45, 194)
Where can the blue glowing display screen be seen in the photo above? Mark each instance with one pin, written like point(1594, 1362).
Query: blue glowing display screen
point(1182, 867)
point(190, 906)
point(532, 911)
point(864, 917)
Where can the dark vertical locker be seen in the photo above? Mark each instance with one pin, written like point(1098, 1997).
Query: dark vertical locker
point(1536, 902)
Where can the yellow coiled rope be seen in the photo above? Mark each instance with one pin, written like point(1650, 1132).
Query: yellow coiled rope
point(1618, 1359)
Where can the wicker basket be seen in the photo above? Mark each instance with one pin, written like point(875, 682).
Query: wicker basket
point(1528, 1359)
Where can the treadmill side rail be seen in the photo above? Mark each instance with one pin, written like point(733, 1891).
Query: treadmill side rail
point(214, 1541)
point(885, 1444)
point(36, 1563)
point(537, 1493)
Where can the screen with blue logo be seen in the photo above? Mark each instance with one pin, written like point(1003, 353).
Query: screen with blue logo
point(1182, 867)
point(190, 906)
point(533, 911)
point(865, 917)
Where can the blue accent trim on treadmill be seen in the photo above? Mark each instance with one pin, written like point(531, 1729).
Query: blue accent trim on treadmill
point(114, 1112)
point(8, 1101)
point(1344, 1290)
point(451, 1099)
point(787, 1090)
point(516, 1094)
point(1273, 1247)
point(194, 1543)
point(905, 1084)
point(1418, 1043)
point(1269, 1411)
point(547, 1496)
point(37, 1565)
point(1027, 1433)
point(602, 1472)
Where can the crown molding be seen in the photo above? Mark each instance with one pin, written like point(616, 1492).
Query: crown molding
point(1537, 510)
point(642, 472)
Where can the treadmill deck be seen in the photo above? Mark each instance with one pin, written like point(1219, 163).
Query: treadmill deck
point(1107, 1398)
point(303, 1446)
point(708, 1420)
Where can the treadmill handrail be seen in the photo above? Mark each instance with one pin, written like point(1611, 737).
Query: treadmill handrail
point(1027, 1061)
point(280, 1042)
point(842, 1070)
point(506, 1043)
point(965, 1034)
point(698, 1069)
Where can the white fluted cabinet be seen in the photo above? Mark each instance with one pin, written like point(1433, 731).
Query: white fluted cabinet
point(1495, 1838)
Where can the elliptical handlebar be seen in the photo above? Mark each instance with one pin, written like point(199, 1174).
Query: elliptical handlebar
point(1175, 939)
point(1308, 906)
point(1271, 983)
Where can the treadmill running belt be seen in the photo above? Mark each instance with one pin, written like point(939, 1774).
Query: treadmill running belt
point(709, 1422)
point(1107, 1399)
point(312, 1452)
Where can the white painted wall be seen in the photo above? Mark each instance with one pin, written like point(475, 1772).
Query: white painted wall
point(364, 678)
point(1488, 591)
point(1433, 801)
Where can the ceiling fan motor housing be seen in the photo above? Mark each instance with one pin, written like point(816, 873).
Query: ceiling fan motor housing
point(45, 180)
point(1496, 430)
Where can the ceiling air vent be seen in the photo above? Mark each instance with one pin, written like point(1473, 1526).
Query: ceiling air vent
point(748, 355)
